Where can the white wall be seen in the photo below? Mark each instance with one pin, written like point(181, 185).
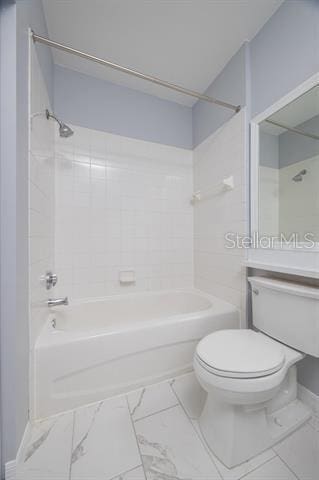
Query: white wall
point(41, 197)
point(121, 204)
point(218, 270)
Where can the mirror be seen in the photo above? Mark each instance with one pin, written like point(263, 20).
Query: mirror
point(288, 170)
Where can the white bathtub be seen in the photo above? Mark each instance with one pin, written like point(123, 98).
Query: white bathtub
point(101, 348)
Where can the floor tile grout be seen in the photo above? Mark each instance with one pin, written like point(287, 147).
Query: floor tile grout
point(72, 440)
point(288, 466)
point(127, 471)
point(256, 468)
point(136, 439)
point(155, 413)
point(316, 429)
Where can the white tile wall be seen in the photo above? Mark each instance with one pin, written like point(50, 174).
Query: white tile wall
point(268, 201)
point(41, 197)
point(102, 203)
point(286, 206)
point(218, 270)
point(299, 201)
point(121, 204)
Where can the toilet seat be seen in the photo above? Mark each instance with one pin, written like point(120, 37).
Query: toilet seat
point(240, 354)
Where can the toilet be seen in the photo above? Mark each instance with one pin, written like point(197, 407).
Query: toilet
point(250, 374)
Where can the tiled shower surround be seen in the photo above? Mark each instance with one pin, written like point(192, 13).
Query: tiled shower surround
point(219, 270)
point(121, 205)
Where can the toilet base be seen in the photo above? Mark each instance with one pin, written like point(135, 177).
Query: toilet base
point(237, 433)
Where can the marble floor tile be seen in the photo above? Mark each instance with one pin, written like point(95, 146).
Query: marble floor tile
point(171, 449)
point(152, 399)
point(99, 442)
point(190, 394)
point(300, 451)
point(275, 469)
point(46, 452)
point(104, 442)
point(240, 471)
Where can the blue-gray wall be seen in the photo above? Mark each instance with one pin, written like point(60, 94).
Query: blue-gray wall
point(279, 151)
point(16, 18)
point(10, 361)
point(93, 103)
point(229, 86)
point(285, 52)
point(30, 14)
point(269, 150)
point(294, 148)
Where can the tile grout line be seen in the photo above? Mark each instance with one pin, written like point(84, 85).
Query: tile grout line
point(316, 429)
point(197, 434)
point(72, 440)
point(155, 413)
point(126, 471)
point(137, 443)
point(287, 465)
point(258, 466)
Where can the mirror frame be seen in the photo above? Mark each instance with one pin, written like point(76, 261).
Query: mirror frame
point(287, 259)
point(254, 151)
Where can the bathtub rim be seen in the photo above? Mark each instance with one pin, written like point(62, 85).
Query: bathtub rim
point(49, 336)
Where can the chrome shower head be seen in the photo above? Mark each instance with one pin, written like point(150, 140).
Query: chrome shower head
point(298, 177)
point(64, 130)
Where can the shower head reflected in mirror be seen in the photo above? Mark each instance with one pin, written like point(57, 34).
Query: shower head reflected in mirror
point(299, 176)
point(64, 130)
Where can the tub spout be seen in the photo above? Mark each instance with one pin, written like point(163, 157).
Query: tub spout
point(58, 301)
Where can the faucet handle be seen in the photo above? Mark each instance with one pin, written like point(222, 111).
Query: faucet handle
point(56, 302)
point(51, 280)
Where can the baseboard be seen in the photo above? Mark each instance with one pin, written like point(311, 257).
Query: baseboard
point(309, 398)
point(10, 470)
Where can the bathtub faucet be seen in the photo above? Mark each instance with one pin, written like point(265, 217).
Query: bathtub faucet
point(58, 301)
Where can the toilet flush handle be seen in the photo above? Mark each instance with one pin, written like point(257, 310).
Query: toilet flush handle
point(255, 291)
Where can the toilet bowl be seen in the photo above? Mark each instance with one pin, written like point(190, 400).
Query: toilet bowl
point(251, 384)
point(242, 366)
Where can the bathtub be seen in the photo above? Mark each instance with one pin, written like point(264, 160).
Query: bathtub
point(91, 350)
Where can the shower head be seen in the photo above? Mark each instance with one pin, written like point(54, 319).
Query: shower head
point(64, 130)
point(298, 177)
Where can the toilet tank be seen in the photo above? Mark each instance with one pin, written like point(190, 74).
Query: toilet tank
point(287, 311)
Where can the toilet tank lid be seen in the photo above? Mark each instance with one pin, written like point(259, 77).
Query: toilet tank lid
point(292, 288)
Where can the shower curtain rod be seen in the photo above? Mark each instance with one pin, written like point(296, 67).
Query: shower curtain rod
point(115, 66)
point(294, 130)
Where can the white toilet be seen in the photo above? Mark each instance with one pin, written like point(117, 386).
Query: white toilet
point(250, 376)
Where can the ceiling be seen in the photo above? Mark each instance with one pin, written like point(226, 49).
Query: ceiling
point(187, 42)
